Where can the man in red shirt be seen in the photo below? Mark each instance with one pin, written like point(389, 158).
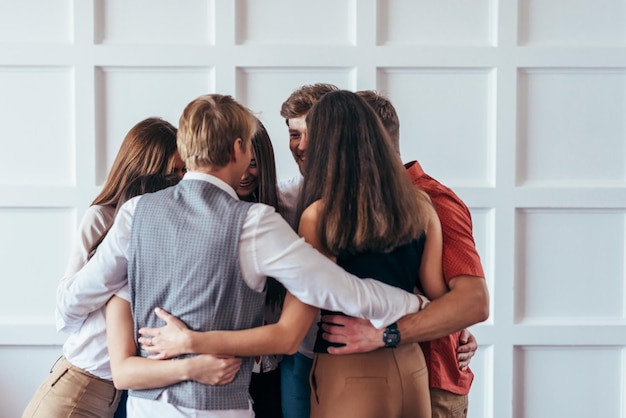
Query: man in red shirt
point(437, 328)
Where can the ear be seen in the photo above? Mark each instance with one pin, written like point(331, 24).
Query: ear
point(237, 149)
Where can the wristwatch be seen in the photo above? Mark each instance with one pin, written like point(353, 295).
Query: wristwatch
point(391, 336)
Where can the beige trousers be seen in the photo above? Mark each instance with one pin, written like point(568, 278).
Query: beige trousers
point(389, 383)
point(447, 404)
point(70, 391)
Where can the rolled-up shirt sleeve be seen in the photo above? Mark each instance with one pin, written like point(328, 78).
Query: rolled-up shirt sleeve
point(269, 247)
point(106, 273)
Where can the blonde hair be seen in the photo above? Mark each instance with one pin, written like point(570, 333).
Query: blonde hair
point(209, 127)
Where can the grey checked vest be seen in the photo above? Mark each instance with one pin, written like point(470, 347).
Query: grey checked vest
point(183, 257)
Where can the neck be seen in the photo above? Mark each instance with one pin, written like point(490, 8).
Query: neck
point(226, 174)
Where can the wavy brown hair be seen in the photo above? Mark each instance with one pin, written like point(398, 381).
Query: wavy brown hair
point(386, 112)
point(303, 99)
point(148, 148)
point(368, 202)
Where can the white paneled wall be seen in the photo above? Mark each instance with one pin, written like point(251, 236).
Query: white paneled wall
point(520, 106)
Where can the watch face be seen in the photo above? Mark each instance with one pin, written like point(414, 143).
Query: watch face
point(391, 337)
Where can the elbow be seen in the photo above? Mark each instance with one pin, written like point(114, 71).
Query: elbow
point(481, 304)
point(292, 347)
point(120, 386)
point(120, 381)
point(292, 343)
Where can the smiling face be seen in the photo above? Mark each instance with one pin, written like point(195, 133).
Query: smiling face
point(249, 182)
point(298, 140)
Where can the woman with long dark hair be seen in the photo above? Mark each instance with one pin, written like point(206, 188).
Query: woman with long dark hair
point(80, 381)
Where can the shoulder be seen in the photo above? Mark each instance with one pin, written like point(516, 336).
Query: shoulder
point(312, 212)
point(97, 218)
point(446, 202)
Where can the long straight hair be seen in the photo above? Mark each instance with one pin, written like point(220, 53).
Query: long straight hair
point(148, 148)
point(368, 202)
point(267, 192)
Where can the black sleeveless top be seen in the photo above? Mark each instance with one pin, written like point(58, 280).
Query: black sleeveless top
point(399, 267)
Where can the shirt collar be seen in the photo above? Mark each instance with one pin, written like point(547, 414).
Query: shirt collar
point(415, 167)
point(195, 175)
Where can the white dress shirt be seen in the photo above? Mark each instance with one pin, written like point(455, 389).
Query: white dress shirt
point(86, 347)
point(289, 194)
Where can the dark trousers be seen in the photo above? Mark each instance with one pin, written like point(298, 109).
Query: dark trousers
point(265, 392)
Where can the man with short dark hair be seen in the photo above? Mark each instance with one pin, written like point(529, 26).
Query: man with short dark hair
point(465, 304)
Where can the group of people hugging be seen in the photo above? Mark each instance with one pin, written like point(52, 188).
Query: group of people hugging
point(201, 286)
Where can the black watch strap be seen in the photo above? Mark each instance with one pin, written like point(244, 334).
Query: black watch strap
point(391, 336)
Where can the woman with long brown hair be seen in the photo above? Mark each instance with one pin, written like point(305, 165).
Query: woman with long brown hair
point(359, 208)
point(80, 381)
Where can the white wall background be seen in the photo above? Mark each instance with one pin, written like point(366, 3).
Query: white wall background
point(520, 106)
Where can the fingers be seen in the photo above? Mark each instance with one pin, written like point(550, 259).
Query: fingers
point(334, 338)
point(230, 368)
point(163, 314)
point(336, 320)
point(346, 349)
point(464, 336)
point(332, 329)
point(465, 356)
point(149, 332)
point(463, 365)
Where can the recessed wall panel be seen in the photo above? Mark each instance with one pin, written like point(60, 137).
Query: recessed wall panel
point(36, 21)
point(481, 393)
point(572, 127)
point(322, 22)
point(34, 248)
point(130, 94)
point(563, 22)
point(447, 119)
point(265, 89)
point(37, 117)
point(570, 265)
point(443, 22)
point(155, 22)
point(568, 382)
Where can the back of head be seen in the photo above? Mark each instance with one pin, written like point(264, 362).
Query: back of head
point(148, 148)
point(387, 114)
point(303, 99)
point(368, 202)
point(208, 129)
